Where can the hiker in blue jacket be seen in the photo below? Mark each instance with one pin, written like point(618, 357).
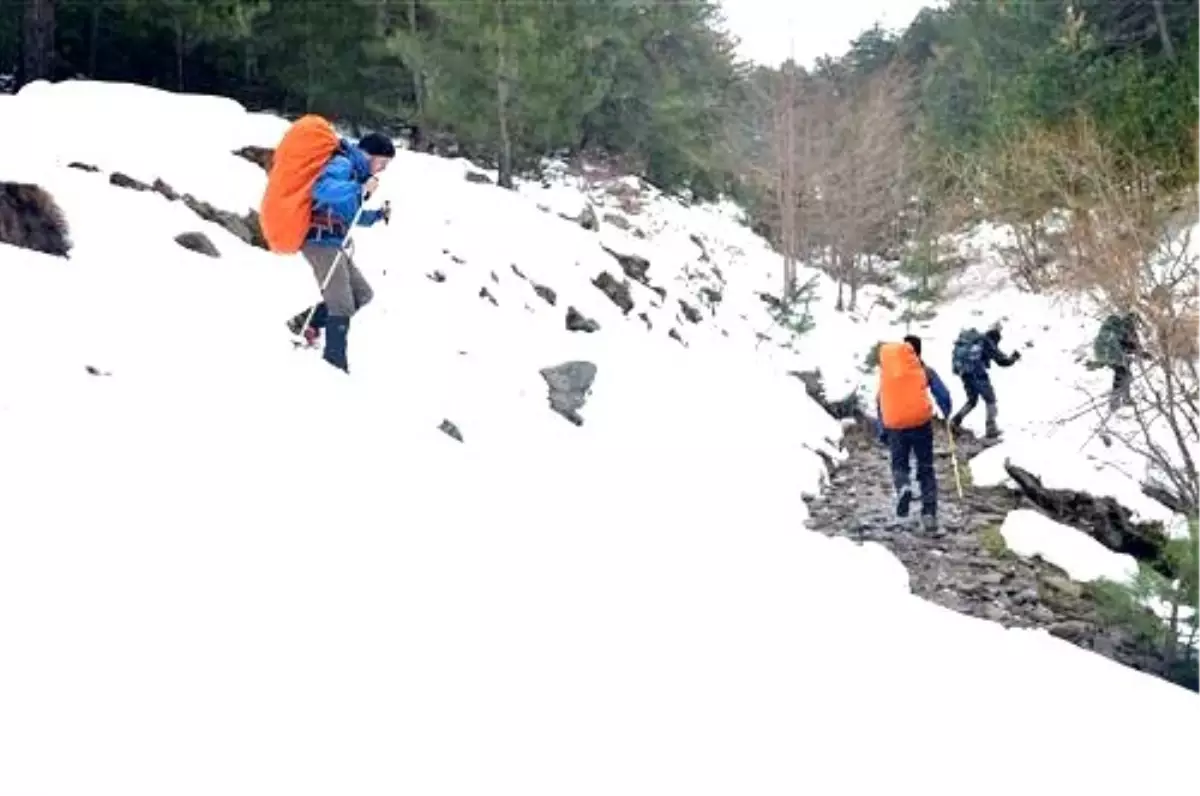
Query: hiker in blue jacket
point(973, 356)
point(344, 184)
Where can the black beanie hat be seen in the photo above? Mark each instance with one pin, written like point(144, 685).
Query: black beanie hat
point(915, 342)
point(377, 145)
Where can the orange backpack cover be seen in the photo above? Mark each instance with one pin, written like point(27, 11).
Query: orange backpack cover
point(286, 209)
point(903, 397)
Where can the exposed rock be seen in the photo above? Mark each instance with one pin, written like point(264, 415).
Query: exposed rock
point(578, 322)
point(570, 384)
point(617, 292)
point(246, 227)
point(1103, 518)
point(450, 430)
point(620, 222)
point(711, 295)
point(436, 276)
point(122, 180)
point(771, 301)
point(259, 156)
point(31, 219)
point(495, 278)
point(956, 567)
point(703, 251)
point(517, 271)
point(197, 242)
point(646, 319)
point(95, 371)
point(690, 312)
point(587, 219)
point(479, 178)
point(633, 266)
point(75, 164)
point(844, 408)
point(484, 293)
point(676, 336)
point(166, 190)
point(548, 295)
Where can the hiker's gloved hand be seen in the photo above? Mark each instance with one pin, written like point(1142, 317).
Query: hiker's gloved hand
point(385, 212)
point(1016, 357)
point(369, 187)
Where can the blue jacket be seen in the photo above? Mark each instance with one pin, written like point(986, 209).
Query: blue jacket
point(941, 396)
point(337, 195)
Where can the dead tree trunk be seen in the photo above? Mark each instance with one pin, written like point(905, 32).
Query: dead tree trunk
point(505, 177)
point(37, 41)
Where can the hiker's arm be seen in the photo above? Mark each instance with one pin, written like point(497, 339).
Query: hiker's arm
point(337, 189)
point(370, 218)
point(880, 431)
point(940, 393)
point(995, 354)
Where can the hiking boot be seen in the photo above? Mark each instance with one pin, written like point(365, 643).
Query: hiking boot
point(929, 523)
point(992, 432)
point(904, 500)
point(336, 330)
point(311, 337)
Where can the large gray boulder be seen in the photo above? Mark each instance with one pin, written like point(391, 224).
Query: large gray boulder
point(569, 383)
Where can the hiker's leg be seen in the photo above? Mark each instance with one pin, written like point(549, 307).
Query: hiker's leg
point(360, 290)
point(972, 399)
point(338, 297)
point(988, 394)
point(900, 449)
point(339, 300)
point(922, 445)
point(1122, 378)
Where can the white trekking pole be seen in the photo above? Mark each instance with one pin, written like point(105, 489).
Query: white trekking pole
point(336, 260)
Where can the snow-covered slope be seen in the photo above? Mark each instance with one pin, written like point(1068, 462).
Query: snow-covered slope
point(227, 568)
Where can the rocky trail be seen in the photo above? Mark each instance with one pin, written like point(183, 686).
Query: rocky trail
point(964, 565)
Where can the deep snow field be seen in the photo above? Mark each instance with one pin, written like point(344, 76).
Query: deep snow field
point(227, 568)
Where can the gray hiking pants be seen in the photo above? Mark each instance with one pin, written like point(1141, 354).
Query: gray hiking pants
point(347, 291)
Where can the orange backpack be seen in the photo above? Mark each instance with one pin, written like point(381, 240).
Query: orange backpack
point(903, 400)
point(286, 210)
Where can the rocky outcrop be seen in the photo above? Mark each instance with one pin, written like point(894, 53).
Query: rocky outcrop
point(258, 155)
point(478, 178)
point(964, 566)
point(617, 292)
point(578, 322)
point(31, 219)
point(197, 242)
point(546, 294)
point(1103, 518)
point(569, 384)
point(246, 227)
point(847, 407)
point(450, 430)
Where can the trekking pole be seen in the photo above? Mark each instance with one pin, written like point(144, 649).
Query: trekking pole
point(954, 459)
point(336, 261)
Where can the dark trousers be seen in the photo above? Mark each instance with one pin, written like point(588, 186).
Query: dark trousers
point(906, 443)
point(977, 386)
point(1122, 381)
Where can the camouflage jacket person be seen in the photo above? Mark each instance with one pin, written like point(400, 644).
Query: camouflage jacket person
point(1117, 341)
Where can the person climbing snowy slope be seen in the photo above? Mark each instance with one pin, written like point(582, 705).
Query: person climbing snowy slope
point(346, 181)
point(973, 356)
point(906, 422)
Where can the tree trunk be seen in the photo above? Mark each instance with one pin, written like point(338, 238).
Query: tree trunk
point(418, 83)
point(179, 42)
point(505, 177)
point(1160, 21)
point(37, 40)
point(94, 40)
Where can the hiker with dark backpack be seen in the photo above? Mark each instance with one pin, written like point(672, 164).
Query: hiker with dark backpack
point(973, 356)
point(906, 423)
point(315, 194)
point(1115, 345)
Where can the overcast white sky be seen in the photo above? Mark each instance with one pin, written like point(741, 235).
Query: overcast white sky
point(768, 28)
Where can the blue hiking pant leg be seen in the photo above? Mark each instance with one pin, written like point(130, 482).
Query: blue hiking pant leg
point(916, 443)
